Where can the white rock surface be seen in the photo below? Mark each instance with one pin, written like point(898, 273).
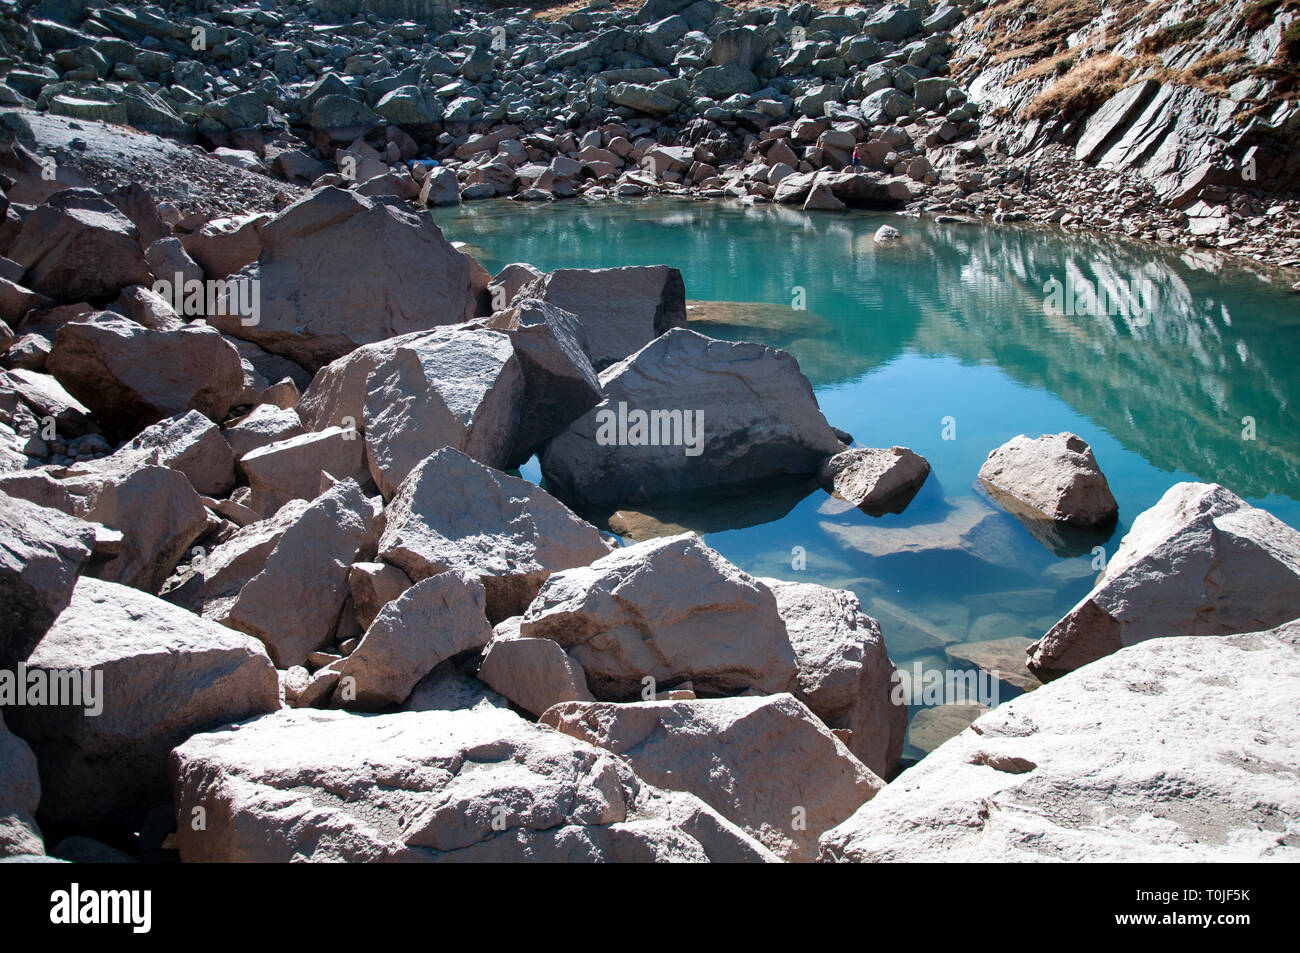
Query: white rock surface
point(318, 785)
point(1180, 749)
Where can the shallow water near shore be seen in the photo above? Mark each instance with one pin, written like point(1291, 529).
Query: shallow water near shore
point(942, 344)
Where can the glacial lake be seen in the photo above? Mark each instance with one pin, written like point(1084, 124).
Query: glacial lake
point(942, 343)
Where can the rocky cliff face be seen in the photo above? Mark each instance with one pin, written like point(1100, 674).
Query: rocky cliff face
point(1194, 97)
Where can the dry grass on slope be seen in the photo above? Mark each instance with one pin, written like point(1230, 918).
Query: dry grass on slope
point(1081, 90)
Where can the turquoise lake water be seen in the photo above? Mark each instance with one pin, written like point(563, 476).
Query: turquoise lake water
point(943, 344)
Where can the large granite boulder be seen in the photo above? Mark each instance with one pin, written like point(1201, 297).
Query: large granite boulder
point(560, 384)
point(1201, 561)
point(459, 390)
point(725, 751)
point(131, 376)
point(481, 785)
point(671, 610)
point(452, 512)
point(338, 270)
point(686, 412)
point(157, 675)
point(1176, 750)
point(77, 246)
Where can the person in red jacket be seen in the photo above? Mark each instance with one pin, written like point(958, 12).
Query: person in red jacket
point(859, 153)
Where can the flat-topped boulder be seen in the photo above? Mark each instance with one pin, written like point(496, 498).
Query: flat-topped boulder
point(290, 469)
point(1054, 477)
point(724, 750)
point(338, 270)
point(621, 309)
point(153, 674)
point(318, 785)
point(686, 412)
point(1175, 750)
point(670, 610)
point(452, 512)
point(1201, 561)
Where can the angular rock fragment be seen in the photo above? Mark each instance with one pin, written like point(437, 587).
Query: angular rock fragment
point(155, 674)
point(1201, 561)
point(311, 562)
point(445, 390)
point(327, 260)
point(560, 385)
point(868, 477)
point(291, 469)
point(670, 609)
point(430, 622)
point(723, 751)
point(42, 551)
point(533, 673)
point(845, 675)
point(452, 512)
point(622, 309)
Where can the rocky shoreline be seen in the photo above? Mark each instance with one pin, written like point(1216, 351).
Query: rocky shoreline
point(270, 592)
